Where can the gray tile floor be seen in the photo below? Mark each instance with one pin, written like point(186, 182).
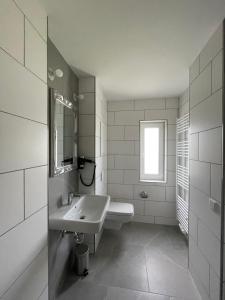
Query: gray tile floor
point(139, 262)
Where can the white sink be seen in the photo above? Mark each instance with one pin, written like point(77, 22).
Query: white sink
point(86, 214)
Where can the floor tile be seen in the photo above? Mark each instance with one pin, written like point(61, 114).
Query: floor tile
point(168, 278)
point(84, 291)
point(139, 262)
point(114, 293)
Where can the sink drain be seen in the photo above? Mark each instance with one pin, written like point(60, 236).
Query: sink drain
point(82, 217)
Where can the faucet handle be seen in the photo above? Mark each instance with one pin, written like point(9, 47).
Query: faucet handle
point(70, 198)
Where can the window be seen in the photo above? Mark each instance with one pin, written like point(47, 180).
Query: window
point(153, 150)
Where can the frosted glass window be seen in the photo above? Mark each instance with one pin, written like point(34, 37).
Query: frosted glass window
point(153, 150)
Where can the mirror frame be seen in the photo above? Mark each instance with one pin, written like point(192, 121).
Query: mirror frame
point(53, 169)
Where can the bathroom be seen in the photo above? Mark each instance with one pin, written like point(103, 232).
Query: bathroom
point(112, 143)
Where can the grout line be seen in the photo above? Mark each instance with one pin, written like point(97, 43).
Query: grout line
point(208, 97)
point(24, 196)
point(36, 211)
point(21, 117)
point(22, 221)
point(200, 131)
point(1, 173)
point(22, 64)
point(42, 292)
point(21, 274)
point(24, 43)
point(20, 9)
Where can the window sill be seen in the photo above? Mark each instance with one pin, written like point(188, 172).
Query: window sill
point(154, 181)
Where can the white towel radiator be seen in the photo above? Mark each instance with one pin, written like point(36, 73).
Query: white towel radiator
point(182, 172)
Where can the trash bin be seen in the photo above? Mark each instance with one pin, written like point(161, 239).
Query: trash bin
point(81, 259)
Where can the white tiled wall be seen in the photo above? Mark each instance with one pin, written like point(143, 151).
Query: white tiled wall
point(101, 136)
point(206, 166)
point(23, 151)
point(93, 141)
point(184, 100)
point(87, 130)
point(123, 158)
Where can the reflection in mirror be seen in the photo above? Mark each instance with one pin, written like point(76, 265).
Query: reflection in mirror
point(63, 142)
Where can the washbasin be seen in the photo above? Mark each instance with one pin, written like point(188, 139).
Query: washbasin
point(86, 214)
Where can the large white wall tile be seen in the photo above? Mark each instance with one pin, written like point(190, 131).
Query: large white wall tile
point(120, 105)
point(216, 182)
point(171, 194)
point(170, 115)
point(128, 117)
point(165, 221)
point(171, 103)
point(36, 193)
point(115, 133)
point(87, 85)
point(171, 178)
point(12, 200)
point(207, 114)
point(126, 162)
point(194, 69)
point(184, 109)
point(144, 219)
point(139, 207)
point(35, 52)
point(131, 176)
point(200, 89)
point(120, 191)
point(203, 292)
point(111, 118)
point(199, 263)
point(44, 295)
point(87, 146)
point(214, 285)
point(200, 176)
point(36, 14)
point(214, 45)
point(87, 125)
point(171, 147)
point(12, 30)
point(27, 239)
point(23, 143)
point(160, 209)
point(217, 72)
point(194, 147)
point(171, 163)
point(137, 148)
point(87, 105)
point(171, 132)
point(33, 280)
point(131, 133)
point(210, 246)
point(199, 204)
point(210, 145)
point(193, 226)
point(115, 176)
point(121, 147)
point(150, 104)
point(110, 162)
point(26, 100)
point(184, 97)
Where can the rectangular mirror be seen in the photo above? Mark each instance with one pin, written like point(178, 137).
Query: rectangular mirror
point(63, 134)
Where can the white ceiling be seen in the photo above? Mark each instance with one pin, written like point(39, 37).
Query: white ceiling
point(137, 48)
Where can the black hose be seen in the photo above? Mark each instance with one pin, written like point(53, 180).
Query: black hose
point(92, 180)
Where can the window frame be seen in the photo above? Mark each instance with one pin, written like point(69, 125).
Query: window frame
point(162, 176)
